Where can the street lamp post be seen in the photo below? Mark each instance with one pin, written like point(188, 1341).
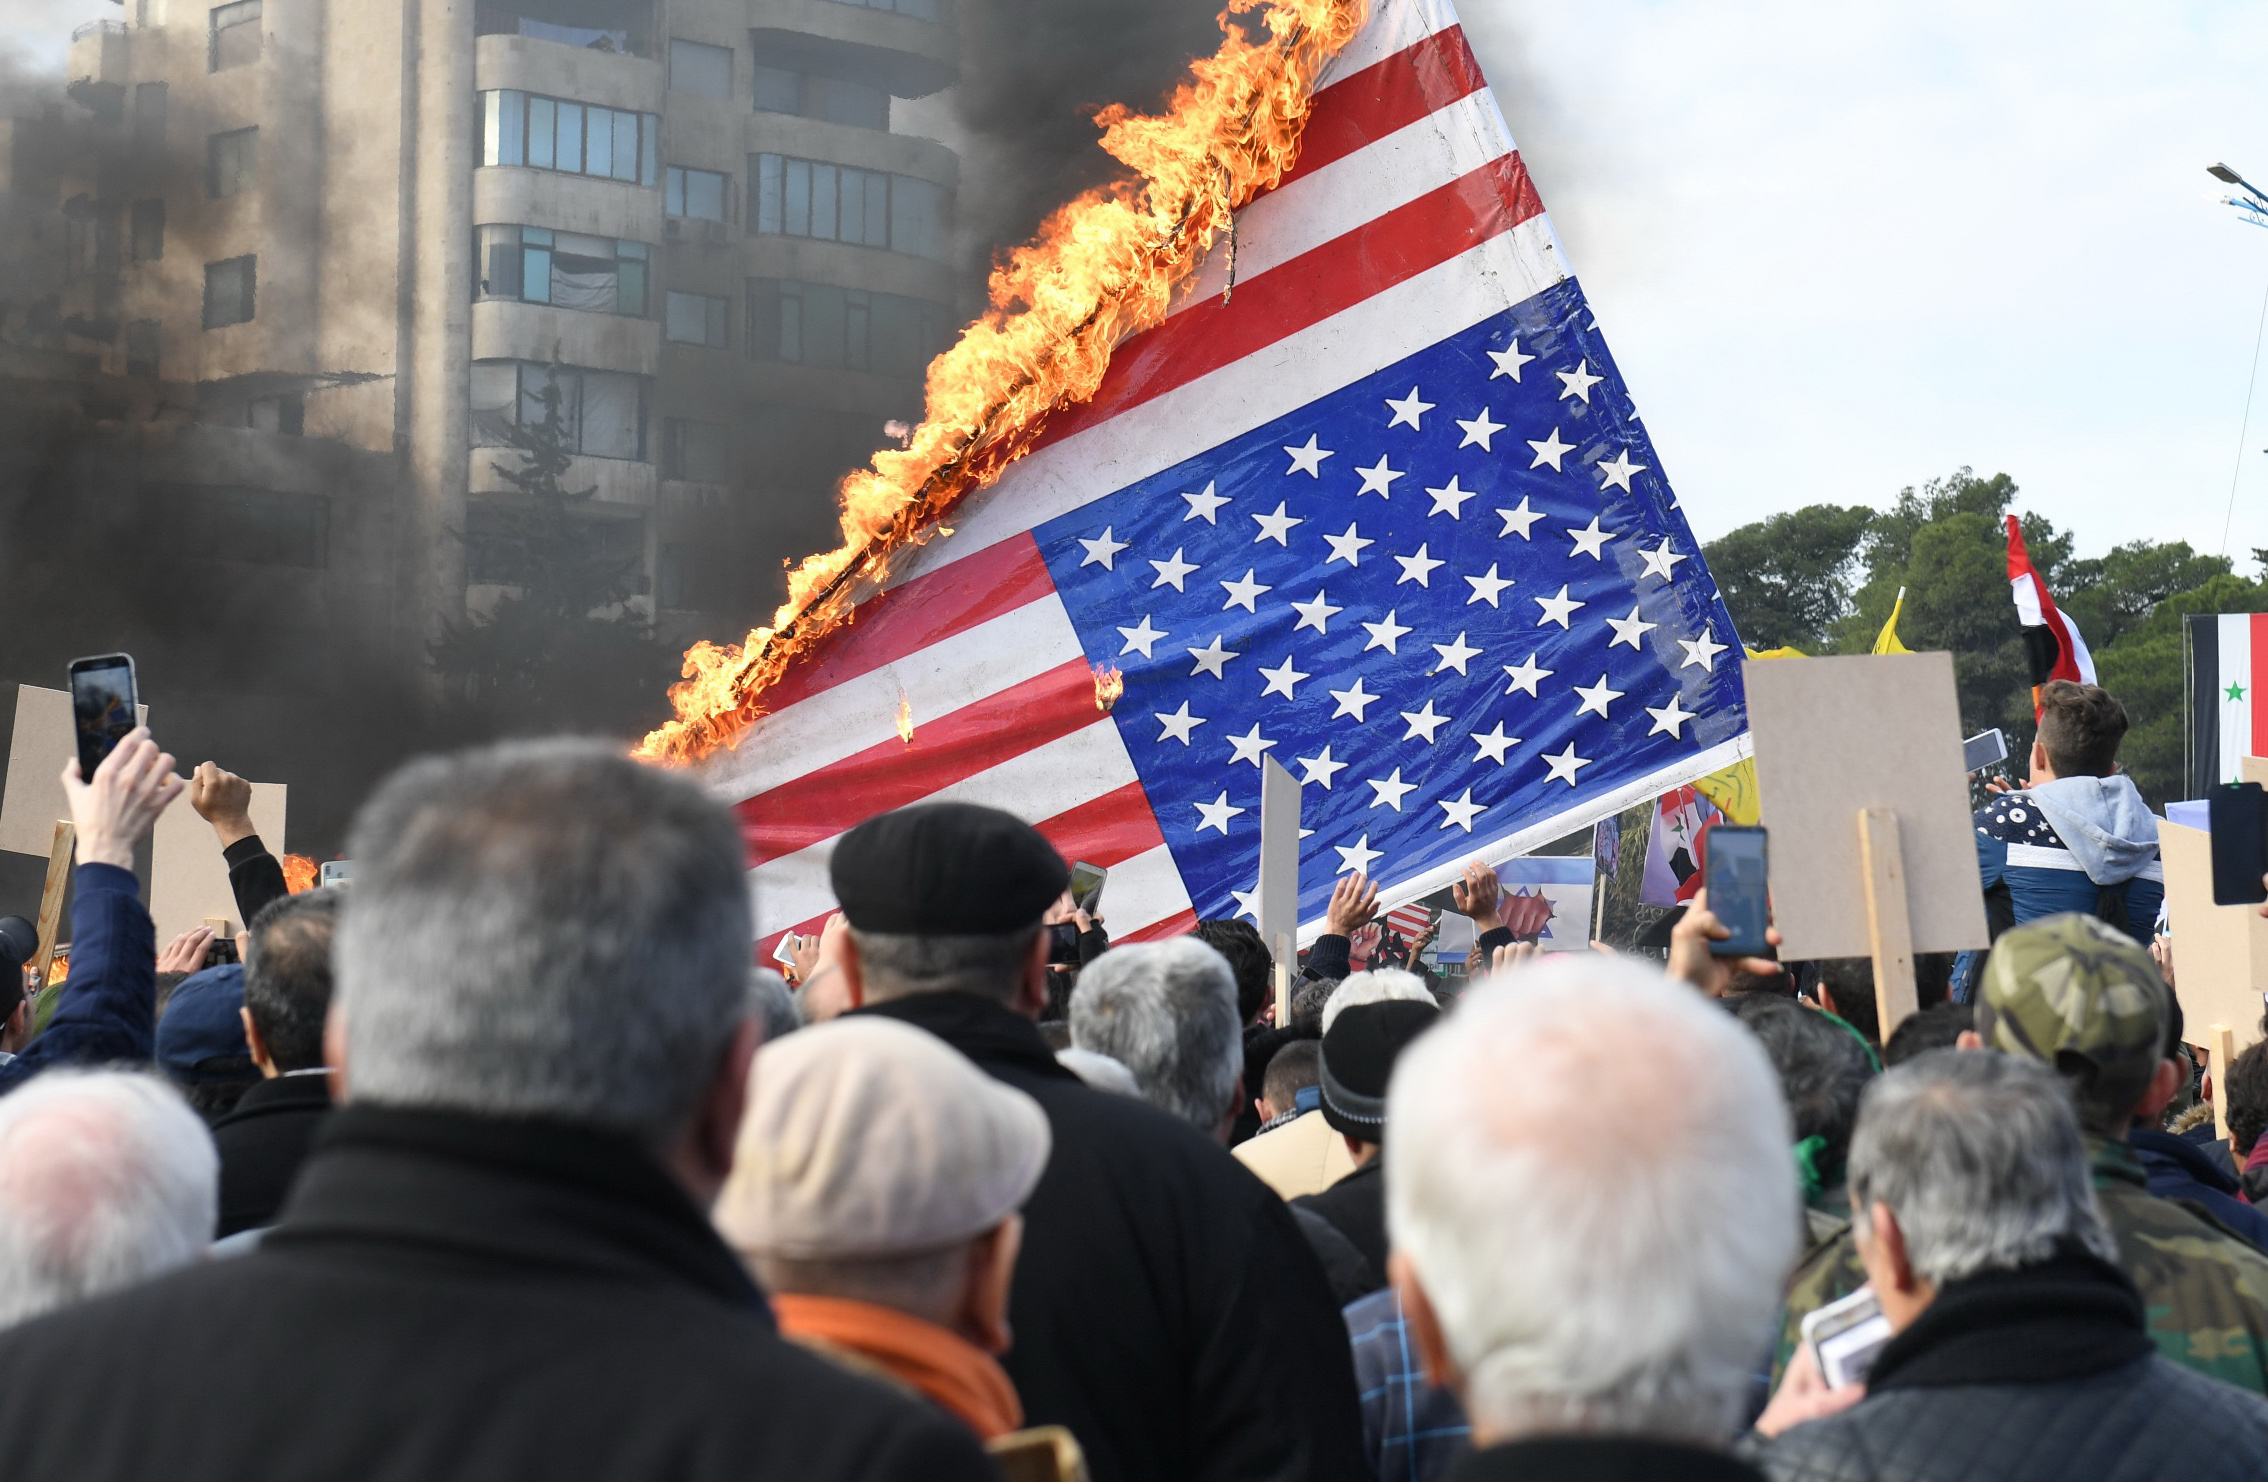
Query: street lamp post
point(2252, 205)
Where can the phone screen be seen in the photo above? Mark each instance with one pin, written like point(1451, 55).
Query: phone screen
point(2237, 813)
point(1984, 749)
point(1086, 885)
point(1739, 893)
point(102, 707)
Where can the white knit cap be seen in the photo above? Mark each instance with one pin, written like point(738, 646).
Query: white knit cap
point(868, 1137)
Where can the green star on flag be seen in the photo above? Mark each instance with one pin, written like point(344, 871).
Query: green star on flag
point(2236, 691)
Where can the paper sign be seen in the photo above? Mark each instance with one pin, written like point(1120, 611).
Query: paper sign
point(44, 741)
point(1835, 735)
point(1455, 938)
point(2220, 952)
point(188, 877)
point(1560, 883)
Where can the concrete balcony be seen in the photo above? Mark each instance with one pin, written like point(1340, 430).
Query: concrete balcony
point(909, 57)
point(557, 70)
point(512, 196)
point(617, 480)
point(841, 144)
point(811, 260)
point(97, 68)
point(514, 331)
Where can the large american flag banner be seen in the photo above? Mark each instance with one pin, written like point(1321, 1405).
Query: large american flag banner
point(1381, 510)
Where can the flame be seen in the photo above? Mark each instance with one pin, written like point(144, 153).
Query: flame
point(59, 966)
point(905, 718)
point(1102, 268)
point(1109, 685)
point(300, 872)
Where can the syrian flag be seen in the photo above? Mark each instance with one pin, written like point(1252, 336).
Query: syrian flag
point(2051, 641)
point(2228, 658)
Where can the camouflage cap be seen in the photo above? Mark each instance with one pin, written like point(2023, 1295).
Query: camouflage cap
point(2085, 998)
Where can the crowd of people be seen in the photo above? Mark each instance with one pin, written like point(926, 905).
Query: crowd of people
point(506, 1163)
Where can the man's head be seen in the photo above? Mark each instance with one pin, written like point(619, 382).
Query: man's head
point(1938, 1027)
point(1360, 1050)
point(1167, 1012)
point(545, 929)
point(2244, 1091)
point(1965, 1163)
point(200, 1042)
point(19, 944)
point(1379, 985)
point(2080, 728)
point(1248, 958)
point(1608, 1271)
point(947, 898)
point(2083, 998)
point(1291, 1070)
point(287, 980)
point(1822, 1068)
point(106, 1178)
point(876, 1164)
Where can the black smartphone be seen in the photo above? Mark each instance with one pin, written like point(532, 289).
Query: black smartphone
point(103, 706)
point(2238, 815)
point(1733, 863)
point(1086, 885)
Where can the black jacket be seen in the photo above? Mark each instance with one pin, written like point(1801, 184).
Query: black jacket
point(1165, 1307)
point(1355, 1206)
point(1598, 1459)
point(262, 1142)
point(457, 1299)
point(255, 877)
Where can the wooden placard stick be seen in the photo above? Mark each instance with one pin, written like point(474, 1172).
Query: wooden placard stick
point(1890, 934)
point(51, 894)
point(2221, 1040)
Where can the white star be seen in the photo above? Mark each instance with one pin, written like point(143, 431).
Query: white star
point(1508, 362)
point(1556, 609)
point(1702, 650)
point(1525, 676)
point(1307, 460)
point(1578, 382)
point(1249, 747)
point(1670, 718)
point(1244, 593)
point(1487, 588)
point(1479, 430)
point(1320, 768)
point(1216, 814)
point(1378, 479)
point(1347, 547)
point(1140, 637)
point(1247, 901)
point(1550, 451)
point(1589, 541)
point(1203, 506)
point(1565, 765)
point(1660, 560)
point(1462, 811)
point(1450, 498)
point(1417, 568)
point(1281, 680)
point(1178, 725)
point(1596, 697)
point(1102, 550)
point(1314, 614)
point(1617, 473)
point(1353, 702)
point(1517, 521)
point(1276, 527)
point(1409, 409)
point(1386, 634)
point(1493, 743)
point(1391, 791)
point(1211, 657)
point(1630, 629)
point(1423, 723)
point(1355, 858)
point(1454, 655)
point(1172, 570)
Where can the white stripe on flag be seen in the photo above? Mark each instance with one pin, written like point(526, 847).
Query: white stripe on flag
point(1394, 26)
point(2236, 699)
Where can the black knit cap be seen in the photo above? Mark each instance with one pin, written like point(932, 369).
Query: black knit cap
point(946, 869)
point(1358, 1059)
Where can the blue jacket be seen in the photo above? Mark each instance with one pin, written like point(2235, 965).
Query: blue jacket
point(108, 1008)
point(1411, 1431)
point(2180, 1169)
point(2056, 847)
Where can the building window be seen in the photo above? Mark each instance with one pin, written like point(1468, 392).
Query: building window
point(577, 139)
point(923, 10)
point(817, 324)
point(695, 68)
point(235, 39)
point(499, 18)
point(149, 115)
point(696, 193)
point(696, 319)
point(535, 265)
point(813, 95)
point(142, 347)
point(696, 452)
point(810, 198)
point(232, 162)
point(147, 235)
point(285, 414)
point(602, 414)
point(230, 288)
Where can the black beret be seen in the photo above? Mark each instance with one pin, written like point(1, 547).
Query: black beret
point(1358, 1060)
point(946, 869)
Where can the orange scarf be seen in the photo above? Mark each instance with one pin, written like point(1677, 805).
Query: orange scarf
point(941, 1364)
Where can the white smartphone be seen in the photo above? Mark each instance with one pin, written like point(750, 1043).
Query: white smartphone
point(1845, 1335)
point(784, 953)
point(1984, 749)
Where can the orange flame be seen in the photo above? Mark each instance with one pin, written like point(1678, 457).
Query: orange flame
point(59, 966)
point(300, 872)
point(1109, 685)
point(905, 718)
point(1103, 268)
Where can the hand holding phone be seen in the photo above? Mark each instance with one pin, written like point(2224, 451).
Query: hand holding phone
point(1738, 883)
point(104, 706)
point(116, 810)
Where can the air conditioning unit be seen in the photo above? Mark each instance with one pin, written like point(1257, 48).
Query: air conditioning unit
point(673, 229)
point(713, 233)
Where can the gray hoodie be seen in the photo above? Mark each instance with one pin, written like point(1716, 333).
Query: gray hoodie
point(2103, 822)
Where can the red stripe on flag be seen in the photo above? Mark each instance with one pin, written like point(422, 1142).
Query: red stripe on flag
point(1310, 288)
point(1386, 96)
point(2252, 695)
point(891, 774)
point(1158, 931)
point(1107, 830)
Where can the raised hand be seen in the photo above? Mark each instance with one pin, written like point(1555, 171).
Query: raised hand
point(116, 810)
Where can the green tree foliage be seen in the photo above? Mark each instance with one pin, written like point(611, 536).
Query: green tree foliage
point(2145, 669)
point(1787, 580)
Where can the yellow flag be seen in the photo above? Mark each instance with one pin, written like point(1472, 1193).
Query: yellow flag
point(1776, 653)
point(1733, 791)
point(1887, 642)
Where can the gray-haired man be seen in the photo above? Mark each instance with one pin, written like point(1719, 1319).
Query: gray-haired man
point(1167, 1012)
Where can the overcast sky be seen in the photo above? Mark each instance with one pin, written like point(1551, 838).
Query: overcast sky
point(1843, 248)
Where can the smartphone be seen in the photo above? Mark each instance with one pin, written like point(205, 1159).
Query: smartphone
point(1736, 878)
point(336, 874)
point(784, 953)
point(104, 703)
point(1086, 885)
point(2237, 813)
point(1845, 1335)
point(1985, 749)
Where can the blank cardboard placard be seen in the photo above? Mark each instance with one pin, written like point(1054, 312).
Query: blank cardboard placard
point(188, 877)
point(1836, 735)
point(2220, 952)
point(44, 740)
